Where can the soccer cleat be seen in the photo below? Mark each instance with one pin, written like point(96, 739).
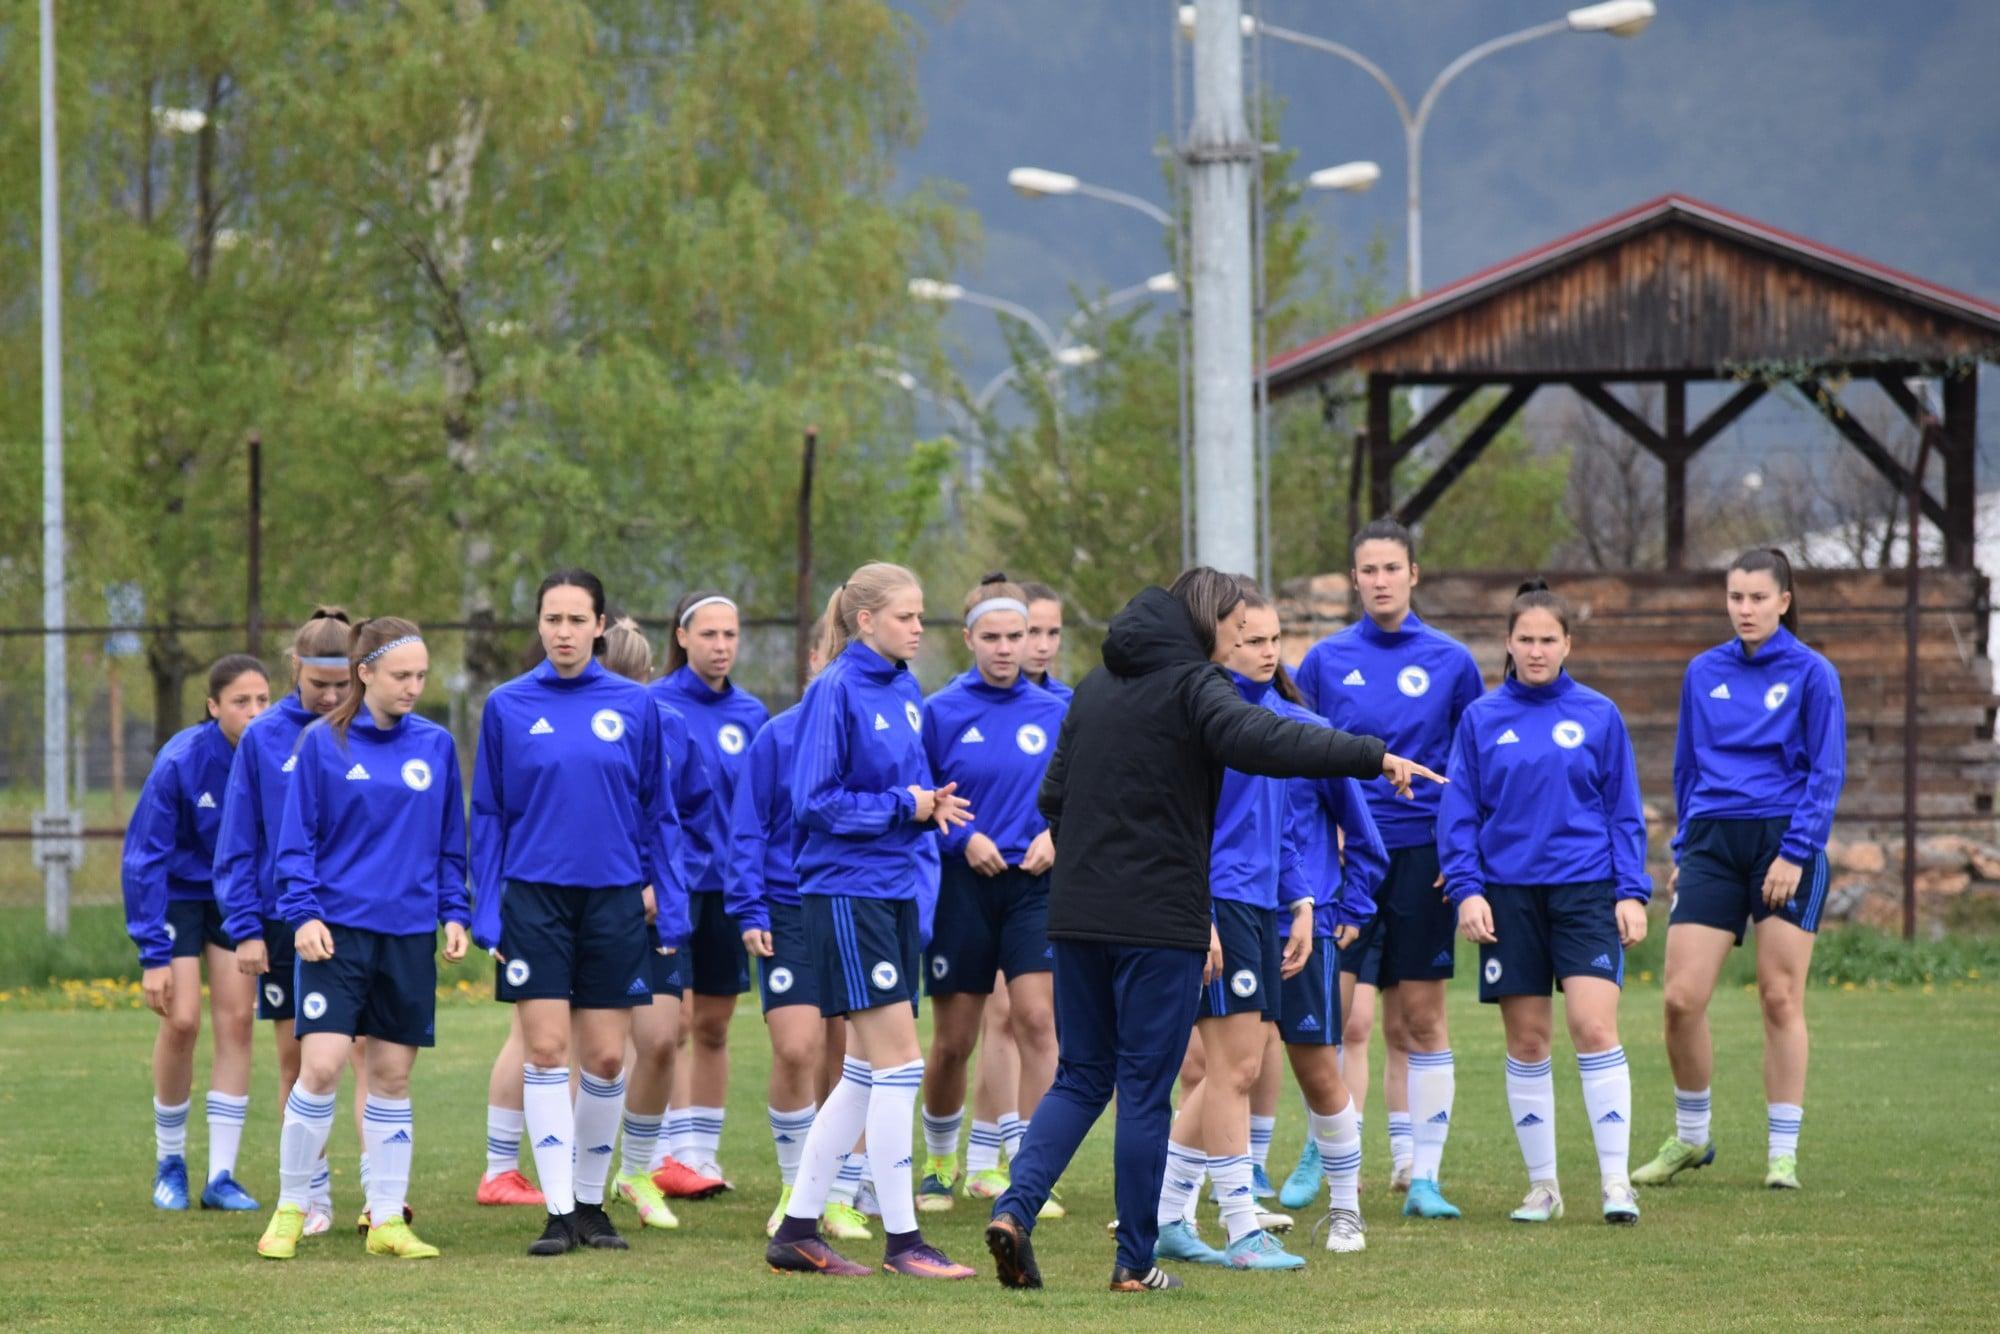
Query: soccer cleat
point(1260, 1250)
point(395, 1238)
point(844, 1222)
point(1155, 1279)
point(866, 1202)
point(1274, 1222)
point(924, 1260)
point(934, 1193)
point(811, 1256)
point(557, 1238)
point(712, 1171)
point(678, 1181)
point(319, 1220)
point(593, 1227)
point(1260, 1184)
point(1301, 1188)
point(989, 1183)
point(281, 1235)
point(778, 1211)
point(1013, 1254)
point(1544, 1204)
point(1675, 1156)
point(1781, 1172)
point(1179, 1241)
point(1426, 1201)
point(364, 1222)
point(170, 1183)
point(1621, 1203)
point(224, 1193)
point(637, 1189)
point(1052, 1207)
point(1399, 1177)
point(1345, 1232)
point(509, 1187)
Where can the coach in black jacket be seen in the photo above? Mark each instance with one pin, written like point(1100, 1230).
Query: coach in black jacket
point(1130, 799)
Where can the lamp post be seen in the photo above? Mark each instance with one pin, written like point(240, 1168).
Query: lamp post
point(931, 289)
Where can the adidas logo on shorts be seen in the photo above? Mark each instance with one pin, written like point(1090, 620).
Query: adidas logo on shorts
point(1308, 1025)
point(1601, 961)
point(1443, 958)
point(638, 987)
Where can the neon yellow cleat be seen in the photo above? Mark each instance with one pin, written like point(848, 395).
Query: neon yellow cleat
point(844, 1222)
point(637, 1189)
point(1052, 1207)
point(988, 1183)
point(934, 1194)
point(395, 1238)
point(778, 1212)
point(281, 1236)
point(1675, 1156)
point(1782, 1172)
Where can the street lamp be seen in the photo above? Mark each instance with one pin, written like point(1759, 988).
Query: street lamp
point(931, 289)
point(1352, 177)
point(1036, 182)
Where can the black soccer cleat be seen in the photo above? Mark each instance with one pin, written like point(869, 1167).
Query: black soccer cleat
point(1155, 1279)
point(1013, 1253)
point(593, 1228)
point(558, 1237)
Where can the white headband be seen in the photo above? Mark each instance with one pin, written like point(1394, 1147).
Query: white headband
point(979, 609)
point(717, 601)
point(392, 644)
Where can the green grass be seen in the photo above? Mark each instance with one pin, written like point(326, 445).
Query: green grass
point(1896, 1224)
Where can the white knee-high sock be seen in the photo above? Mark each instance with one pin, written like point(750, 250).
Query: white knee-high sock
point(1261, 1130)
point(600, 1103)
point(704, 1135)
point(1433, 1084)
point(1233, 1192)
point(503, 1139)
point(1402, 1140)
point(839, 1123)
point(788, 1137)
point(678, 1139)
point(302, 1144)
point(1691, 1113)
point(890, 1104)
point(982, 1147)
point(1185, 1167)
point(640, 1135)
point(1531, 1102)
point(320, 1193)
point(1013, 1129)
point(1339, 1140)
point(1607, 1096)
point(1782, 1121)
point(551, 1126)
point(846, 1184)
point(388, 1127)
point(941, 1132)
point(170, 1130)
point(226, 1114)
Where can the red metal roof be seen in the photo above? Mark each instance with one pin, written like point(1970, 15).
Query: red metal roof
point(1401, 318)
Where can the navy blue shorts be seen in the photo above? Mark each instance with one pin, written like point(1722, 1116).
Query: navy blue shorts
point(987, 925)
point(590, 947)
point(1309, 1004)
point(1545, 933)
point(866, 953)
point(1723, 863)
point(374, 986)
point(1250, 963)
point(718, 965)
point(274, 989)
point(788, 976)
point(194, 923)
point(1413, 937)
point(665, 971)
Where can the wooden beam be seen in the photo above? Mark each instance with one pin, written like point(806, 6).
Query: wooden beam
point(1674, 454)
point(1468, 451)
point(1440, 412)
point(1871, 449)
point(1961, 466)
point(1718, 421)
point(1621, 416)
point(1899, 394)
point(1381, 449)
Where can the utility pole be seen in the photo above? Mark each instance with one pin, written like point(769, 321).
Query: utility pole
point(253, 602)
point(802, 587)
point(56, 843)
point(1221, 161)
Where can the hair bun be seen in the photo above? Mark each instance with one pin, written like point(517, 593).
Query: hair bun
point(327, 613)
point(1534, 585)
point(993, 577)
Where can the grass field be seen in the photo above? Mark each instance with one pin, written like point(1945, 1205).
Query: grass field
point(1897, 1224)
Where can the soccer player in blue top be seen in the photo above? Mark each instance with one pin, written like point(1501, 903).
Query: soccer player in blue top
point(990, 732)
point(1391, 673)
point(722, 717)
point(862, 795)
point(572, 817)
point(172, 916)
point(370, 862)
point(1544, 844)
point(1758, 767)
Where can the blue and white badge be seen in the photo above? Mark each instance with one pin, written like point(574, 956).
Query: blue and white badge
point(609, 724)
point(1567, 734)
point(780, 981)
point(1413, 681)
point(274, 995)
point(1031, 739)
point(314, 1005)
point(883, 975)
point(730, 737)
point(517, 972)
point(1777, 695)
point(416, 775)
point(939, 966)
point(914, 714)
point(1492, 971)
point(1244, 983)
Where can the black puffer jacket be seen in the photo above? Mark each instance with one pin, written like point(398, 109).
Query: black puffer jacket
point(1130, 793)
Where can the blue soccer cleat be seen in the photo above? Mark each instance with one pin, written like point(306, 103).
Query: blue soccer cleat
point(224, 1193)
point(1179, 1241)
point(170, 1183)
point(1302, 1186)
point(1426, 1201)
point(1260, 1250)
point(1260, 1184)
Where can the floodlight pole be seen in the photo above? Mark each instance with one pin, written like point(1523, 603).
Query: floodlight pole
point(55, 844)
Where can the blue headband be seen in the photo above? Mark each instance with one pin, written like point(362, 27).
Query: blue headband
point(392, 644)
point(328, 663)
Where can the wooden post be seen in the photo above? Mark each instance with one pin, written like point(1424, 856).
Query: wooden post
point(253, 616)
point(1961, 466)
point(115, 705)
point(1381, 449)
point(1912, 600)
point(1676, 461)
point(802, 594)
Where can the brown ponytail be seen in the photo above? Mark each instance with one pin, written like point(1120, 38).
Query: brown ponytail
point(324, 635)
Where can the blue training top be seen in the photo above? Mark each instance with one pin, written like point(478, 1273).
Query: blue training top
point(1762, 738)
point(1341, 876)
point(1253, 849)
point(860, 750)
point(763, 840)
point(571, 787)
point(995, 744)
point(1544, 791)
point(246, 847)
point(374, 829)
point(692, 789)
point(720, 723)
point(1053, 686)
point(1408, 687)
point(170, 840)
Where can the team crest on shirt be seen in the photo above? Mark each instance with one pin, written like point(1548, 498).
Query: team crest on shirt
point(517, 972)
point(609, 724)
point(290, 764)
point(416, 775)
point(780, 981)
point(914, 714)
point(1413, 681)
point(274, 995)
point(883, 975)
point(1492, 971)
point(1777, 695)
point(939, 966)
point(730, 737)
point(314, 1005)
point(1567, 734)
point(1244, 983)
point(1031, 739)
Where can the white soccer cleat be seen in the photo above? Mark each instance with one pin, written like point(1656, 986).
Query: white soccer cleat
point(1345, 1232)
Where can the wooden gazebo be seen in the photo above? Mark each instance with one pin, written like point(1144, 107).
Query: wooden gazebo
point(1672, 292)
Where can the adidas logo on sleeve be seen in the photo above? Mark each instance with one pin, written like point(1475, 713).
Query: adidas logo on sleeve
point(357, 774)
point(1720, 692)
point(541, 728)
point(1354, 678)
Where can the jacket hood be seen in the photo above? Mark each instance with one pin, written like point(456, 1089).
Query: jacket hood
point(1152, 633)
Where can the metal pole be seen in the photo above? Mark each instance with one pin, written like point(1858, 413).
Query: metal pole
point(1413, 211)
point(802, 592)
point(1182, 314)
point(1220, 158)
point(56, 847)
point(1259, 357)
point(1912, 593)
point(254, 598)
